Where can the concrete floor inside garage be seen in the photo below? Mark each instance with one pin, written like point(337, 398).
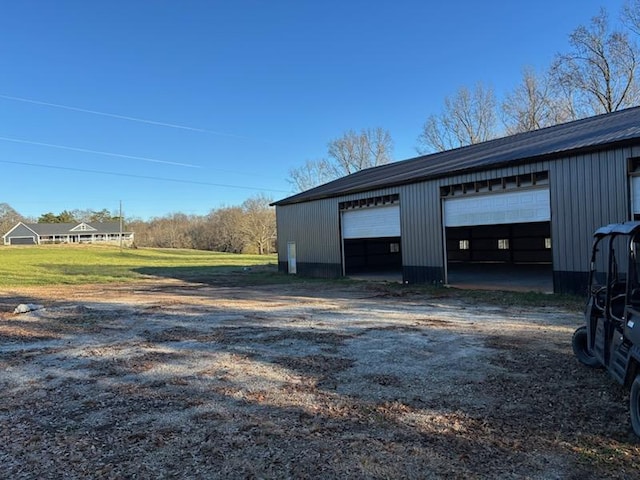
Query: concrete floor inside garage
point(500, 276)
point(484, 276)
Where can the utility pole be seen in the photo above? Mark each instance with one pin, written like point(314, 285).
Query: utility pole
point(120, 226)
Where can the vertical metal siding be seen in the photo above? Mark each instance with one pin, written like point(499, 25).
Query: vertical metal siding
point(587, 191)
point(421, 225)
point(314, 227)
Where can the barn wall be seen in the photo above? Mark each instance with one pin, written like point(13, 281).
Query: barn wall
point(421, 218)
point(315, 229)
point(586, 191)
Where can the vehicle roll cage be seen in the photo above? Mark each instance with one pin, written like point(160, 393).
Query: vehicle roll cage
point(610, 337)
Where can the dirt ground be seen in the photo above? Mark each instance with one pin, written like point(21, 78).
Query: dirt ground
point(175, 380)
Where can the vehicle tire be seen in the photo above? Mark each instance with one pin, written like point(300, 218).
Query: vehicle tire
point(634, 405)
point(581, 350)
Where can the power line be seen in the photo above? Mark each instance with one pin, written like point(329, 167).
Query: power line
point(97, 152)
point(122, 155)
point(122, 117)
point(144, 177)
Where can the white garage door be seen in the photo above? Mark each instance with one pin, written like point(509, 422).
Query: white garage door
point(498, 208)
point(371, 222)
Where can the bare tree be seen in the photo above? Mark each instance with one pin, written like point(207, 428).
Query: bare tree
point(468, 117)
point(356, 151)
point(535, 103)
point(348, 154)
point(311, 174)
point(103, 215)
point(170, 231)
point(601, 69)
point(631, 16)
point(9, 218)
point(221, 231)
point(259, 223)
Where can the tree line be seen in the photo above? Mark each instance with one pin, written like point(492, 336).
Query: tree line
point(598, 74)
point(247, 228)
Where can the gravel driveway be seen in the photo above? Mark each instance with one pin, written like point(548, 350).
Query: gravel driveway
point(174, 380)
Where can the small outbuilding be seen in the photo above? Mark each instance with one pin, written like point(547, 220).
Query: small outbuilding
point(517, 208)
point(82, 232)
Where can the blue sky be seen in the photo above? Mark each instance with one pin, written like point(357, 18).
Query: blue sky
point(187, 106)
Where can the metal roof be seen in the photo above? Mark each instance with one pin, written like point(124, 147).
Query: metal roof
point(591, 133)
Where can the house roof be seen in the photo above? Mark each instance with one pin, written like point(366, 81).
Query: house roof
point(45, 229)
point(617, 128)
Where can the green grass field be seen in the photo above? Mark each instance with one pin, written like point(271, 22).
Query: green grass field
point(93, 264)
point(71, 264)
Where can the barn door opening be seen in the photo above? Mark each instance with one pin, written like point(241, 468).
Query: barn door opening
point(371, 239)
point(499, 239)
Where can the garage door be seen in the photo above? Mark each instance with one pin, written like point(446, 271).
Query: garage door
point(22, 241)
point(371, 222)
point(526, 206)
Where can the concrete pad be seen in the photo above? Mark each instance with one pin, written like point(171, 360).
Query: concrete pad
point(498, 276)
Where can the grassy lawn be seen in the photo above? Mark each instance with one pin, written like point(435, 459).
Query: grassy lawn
point(93, 264)
point(76, 265)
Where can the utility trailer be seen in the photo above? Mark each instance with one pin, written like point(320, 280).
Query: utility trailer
point(610, 338)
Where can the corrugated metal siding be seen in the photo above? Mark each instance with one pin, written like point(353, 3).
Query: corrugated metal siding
point(587, 191)
point(421, 220)
point(314, 226)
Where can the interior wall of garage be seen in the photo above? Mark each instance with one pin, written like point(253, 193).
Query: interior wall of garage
point(527, 243)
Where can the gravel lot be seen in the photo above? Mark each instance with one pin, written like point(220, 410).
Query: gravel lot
point(175, 380)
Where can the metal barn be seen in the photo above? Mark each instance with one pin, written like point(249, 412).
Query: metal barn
point(518, 206)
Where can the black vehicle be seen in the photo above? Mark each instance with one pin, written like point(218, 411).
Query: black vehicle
point(610, 337)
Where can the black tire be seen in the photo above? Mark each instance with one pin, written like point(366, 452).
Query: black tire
point(581, 350)
point(634, 405)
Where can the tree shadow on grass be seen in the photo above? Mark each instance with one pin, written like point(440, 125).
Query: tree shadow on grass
point(230, 276)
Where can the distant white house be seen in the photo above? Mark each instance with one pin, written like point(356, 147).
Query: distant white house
point(83, 232)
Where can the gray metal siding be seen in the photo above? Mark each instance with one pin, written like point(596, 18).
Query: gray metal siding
point(587, 191)
point(314, 227)
point(421, 220)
